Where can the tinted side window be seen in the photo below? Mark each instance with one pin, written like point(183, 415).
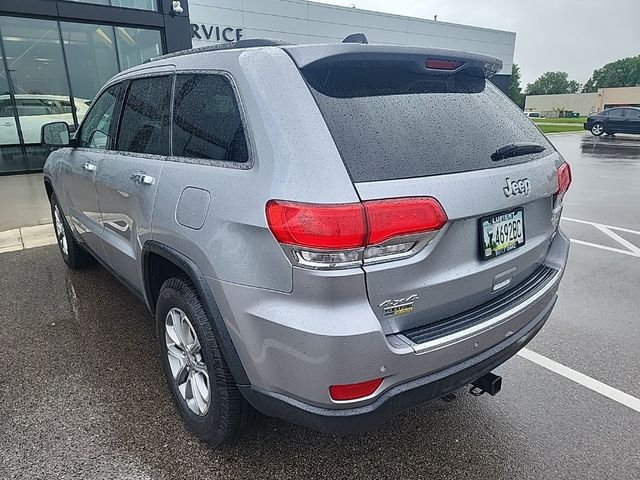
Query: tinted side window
point(65, 107)
point(206, 119)
point(144, 125)
point(35, 106)
point(616, 113)
point(94, 132)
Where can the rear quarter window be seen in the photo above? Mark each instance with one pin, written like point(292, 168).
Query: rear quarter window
point(206, 119)
point(391, 124)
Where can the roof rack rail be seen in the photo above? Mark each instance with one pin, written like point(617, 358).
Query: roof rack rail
point(356, 38)
point(249, 43)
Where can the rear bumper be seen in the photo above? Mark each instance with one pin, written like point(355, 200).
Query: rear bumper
point(294, 348)
point(397, 398)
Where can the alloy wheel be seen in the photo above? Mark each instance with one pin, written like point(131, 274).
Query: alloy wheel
point(597, 129)
point(188, 368)
point(59, 228)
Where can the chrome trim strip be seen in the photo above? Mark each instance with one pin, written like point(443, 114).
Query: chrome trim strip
point(442, 342)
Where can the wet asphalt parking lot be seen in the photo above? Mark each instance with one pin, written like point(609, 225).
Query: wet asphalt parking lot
point(82, 394)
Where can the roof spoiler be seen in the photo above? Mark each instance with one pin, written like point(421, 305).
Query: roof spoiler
point(433, 61)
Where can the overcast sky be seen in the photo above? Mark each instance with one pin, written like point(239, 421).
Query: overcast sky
point(576, 36)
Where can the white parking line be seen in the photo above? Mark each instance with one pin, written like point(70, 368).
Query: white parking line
point(582, 379)
point(618, 238)
point(632, 249)
point(620, 229)
point(604, 247)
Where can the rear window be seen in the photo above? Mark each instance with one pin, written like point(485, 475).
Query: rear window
point(390, 123)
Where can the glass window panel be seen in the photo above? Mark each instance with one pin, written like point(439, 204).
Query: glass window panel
point(36, 155)
point(135, 45)
point(95, 2)
point(145, 121)
point(207, 122)
point(94, 132)
point(386, 121)
point(11, 159)
point(34, 57)
point(8, 130)
point(140, 4)
point(92, 60)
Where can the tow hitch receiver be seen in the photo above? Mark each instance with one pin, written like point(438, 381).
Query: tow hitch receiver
point(488, 383)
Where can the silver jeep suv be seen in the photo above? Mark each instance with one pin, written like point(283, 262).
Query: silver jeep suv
point(328, 234)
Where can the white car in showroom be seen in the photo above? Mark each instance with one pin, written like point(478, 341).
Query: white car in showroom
point(35, 110)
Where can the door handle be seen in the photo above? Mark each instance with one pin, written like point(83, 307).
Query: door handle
point(142, 178)
point(89, 167)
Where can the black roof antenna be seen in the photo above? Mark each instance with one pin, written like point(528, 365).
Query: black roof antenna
point(356, 38)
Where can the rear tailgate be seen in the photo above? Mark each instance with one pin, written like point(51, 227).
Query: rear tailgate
point(405, 130)
point(450, 275)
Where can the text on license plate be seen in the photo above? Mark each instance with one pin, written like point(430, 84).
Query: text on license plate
point(501, 233)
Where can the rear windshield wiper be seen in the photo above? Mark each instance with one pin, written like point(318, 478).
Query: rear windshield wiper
point(516, 150)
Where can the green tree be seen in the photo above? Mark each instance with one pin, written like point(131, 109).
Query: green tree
point(621, 73)
point(515, 89)
point(551, 83)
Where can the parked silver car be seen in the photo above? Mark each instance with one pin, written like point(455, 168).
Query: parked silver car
point(328, 234)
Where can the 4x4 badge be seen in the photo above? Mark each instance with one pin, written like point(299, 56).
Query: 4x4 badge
point(398, 306)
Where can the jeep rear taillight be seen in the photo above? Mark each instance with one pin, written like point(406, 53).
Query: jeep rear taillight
point(402, 216)
point(317, 226)
point(564, 182)
point(345, 235)
point(564, 178)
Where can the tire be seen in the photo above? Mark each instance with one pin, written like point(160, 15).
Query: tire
point(597, 129)
point(201, 373)
point(72, 253)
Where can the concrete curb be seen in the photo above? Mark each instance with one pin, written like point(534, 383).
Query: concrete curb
point(567, 133)
point(27, 237)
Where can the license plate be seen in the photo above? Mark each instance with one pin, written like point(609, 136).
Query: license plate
point(501, 233)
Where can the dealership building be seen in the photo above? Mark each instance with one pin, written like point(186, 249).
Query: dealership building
point(56, 54)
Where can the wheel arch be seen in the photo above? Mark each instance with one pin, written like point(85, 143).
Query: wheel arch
point(48, 186)
point(160, 262)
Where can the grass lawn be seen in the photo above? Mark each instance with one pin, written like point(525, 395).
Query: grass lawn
point(560, 128)
point(580, 120)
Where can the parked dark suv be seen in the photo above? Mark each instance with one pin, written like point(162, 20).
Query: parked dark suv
point(614, 120)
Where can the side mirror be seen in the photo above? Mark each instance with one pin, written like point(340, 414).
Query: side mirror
point(55, 134)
